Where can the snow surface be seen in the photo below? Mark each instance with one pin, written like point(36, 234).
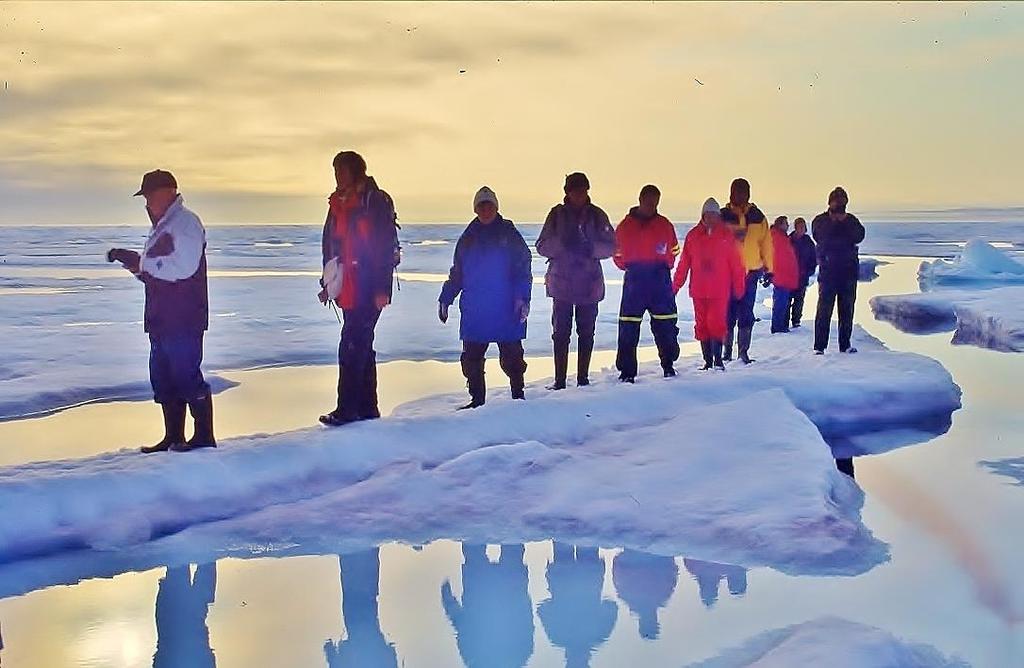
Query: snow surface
point(978, 263)
point(833, 642)
point(990, 318)
point(514, 470)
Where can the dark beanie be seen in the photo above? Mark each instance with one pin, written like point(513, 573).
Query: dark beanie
point(575, 181)
point(838, 192)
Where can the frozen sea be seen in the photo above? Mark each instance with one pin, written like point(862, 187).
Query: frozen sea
point(917, 564)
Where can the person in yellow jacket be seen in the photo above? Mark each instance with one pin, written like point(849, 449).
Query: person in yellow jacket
point(753, 235)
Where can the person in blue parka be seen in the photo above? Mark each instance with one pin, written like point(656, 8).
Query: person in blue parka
point(491, 271)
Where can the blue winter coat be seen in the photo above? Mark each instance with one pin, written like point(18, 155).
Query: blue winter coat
point(491, 270)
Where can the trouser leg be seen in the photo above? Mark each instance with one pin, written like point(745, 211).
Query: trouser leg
point(823, 317)
point(513, 363)
point(780, 310)
point(745, 316)
point(664, 320)
point(561, 328)
point(847, 298)
point(631, 312)
point(368, 406)
point(732, 312)
point(586, 324)
point(797, 299)
point(472, 361)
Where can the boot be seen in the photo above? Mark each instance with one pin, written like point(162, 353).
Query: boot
point(586, 348)
point(202, 416)
point(561, 365)
point(743, 341)
point(727, 354)
point(475, 383)
point(668, 371)
point(174, 427)
point(705, 348)
point(716, 354)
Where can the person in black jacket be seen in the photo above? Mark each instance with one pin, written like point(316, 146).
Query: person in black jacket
point(576, 236)
point(361, 236)
point(807, 261)
point(837, 234)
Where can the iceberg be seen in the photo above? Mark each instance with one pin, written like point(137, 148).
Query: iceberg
point(979, 262)
point(989, 318)
point(833, 642)
point(663, 466)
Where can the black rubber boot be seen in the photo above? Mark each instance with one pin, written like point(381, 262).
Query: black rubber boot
point(705, 348)
point(561, 351)
point(202, 417)
point(174, 427)
point(584, 352)
point(743, 337)
point(474, 372)
point(716, 353)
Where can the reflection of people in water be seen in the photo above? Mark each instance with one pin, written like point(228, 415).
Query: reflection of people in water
point(182, 602)
point(364, 644)
point(576, 618)
point(494, 622)
point(709, 574)
point(645, 582)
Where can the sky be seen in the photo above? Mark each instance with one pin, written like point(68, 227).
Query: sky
point(910, 106)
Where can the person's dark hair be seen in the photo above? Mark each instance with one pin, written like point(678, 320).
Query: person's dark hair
point(576, 181)
point(649, 189)
point(741, 184)
point(351, 161)
point(838, 191)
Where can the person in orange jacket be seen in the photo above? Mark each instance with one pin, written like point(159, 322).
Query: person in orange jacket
point(646, 248)
point(716, 273)
point(785, 278)
point(750, 226)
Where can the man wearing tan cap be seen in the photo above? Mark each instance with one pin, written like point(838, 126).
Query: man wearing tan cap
point(172, 266)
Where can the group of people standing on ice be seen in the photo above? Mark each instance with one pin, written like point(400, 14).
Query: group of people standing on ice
point(723, 258)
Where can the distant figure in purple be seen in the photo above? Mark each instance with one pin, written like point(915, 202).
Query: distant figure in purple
point(807, 259)
point(837, 234)
point(172, 266)
point(491, 271)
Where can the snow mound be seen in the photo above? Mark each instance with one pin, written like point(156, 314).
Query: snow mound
point(978, 262)
point(632, 448)
point(989, 318)
point(833, 642)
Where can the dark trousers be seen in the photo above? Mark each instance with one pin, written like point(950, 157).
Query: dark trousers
point(780, 310)
point(357, 364)
point(829, 291)
point(741, 309)
point(510, 357)
point(561, 323)
point(647, 290)
point(174, 373)
point(796, 299)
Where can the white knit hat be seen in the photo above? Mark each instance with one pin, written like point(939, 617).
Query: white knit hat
point(485, 194)
point(710, 206)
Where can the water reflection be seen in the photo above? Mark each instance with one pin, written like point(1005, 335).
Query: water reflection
point(364, 644)
point(576, 617)
point(1011, 468)
point(182, 603)
point(645, 582)
point(709, 576)
point(494, 621)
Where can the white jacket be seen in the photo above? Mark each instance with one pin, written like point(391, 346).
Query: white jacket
point(188, 238)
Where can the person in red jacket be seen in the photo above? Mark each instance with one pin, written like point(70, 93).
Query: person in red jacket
point(646, 248)
point(785, 278)
point(717, 274)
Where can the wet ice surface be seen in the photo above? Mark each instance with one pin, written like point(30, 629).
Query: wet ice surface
point(946, 508)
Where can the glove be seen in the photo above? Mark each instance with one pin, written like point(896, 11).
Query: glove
point(129, 259)
point(442, 312)
point(522, 309)
point(766, 280)
point(323, 296)
point(162, 247)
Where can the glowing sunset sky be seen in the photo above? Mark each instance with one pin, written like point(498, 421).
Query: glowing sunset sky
point(908, 106)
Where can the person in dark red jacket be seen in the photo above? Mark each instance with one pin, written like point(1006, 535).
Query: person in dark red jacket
point(785, 278)
point(807, 257)
point(646, 248)
point(361, 235)
point(716, 272)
